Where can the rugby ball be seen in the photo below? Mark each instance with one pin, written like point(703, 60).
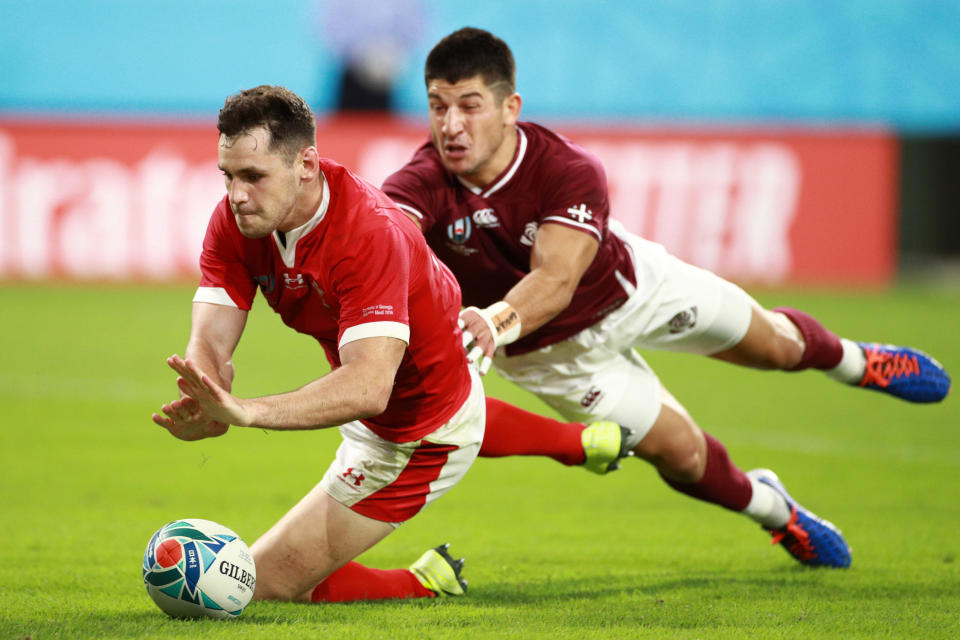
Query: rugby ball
point(196, 568)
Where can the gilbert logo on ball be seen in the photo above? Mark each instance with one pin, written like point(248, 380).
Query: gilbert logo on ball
point(194, 568)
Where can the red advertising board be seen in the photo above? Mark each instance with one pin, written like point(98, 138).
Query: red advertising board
point(129, 201)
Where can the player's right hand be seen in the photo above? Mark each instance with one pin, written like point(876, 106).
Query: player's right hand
point(484, 330)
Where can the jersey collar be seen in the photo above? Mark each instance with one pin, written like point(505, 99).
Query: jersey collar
point(289, 252)
point(508, 172)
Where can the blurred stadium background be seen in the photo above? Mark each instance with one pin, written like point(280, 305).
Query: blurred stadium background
point(788, 143)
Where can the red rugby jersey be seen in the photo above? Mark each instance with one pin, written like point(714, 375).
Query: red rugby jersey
point(359, 268)
point(485, 235)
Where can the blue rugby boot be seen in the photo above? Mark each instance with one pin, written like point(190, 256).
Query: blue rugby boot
point(903, 372)
point(812, 540)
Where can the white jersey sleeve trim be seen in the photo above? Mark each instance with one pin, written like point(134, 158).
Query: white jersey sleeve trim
point(376, 330)
point(410, 210)
point(574, 223)
point(214, 295)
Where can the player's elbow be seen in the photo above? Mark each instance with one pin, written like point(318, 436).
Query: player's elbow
point(373, 398)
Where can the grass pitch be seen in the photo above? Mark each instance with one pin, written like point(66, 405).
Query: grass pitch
point(552, 552)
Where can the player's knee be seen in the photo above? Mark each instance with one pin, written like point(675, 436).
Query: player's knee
point(787, 345)
point(268, 591)
point(773, 342)
point(677, 458)
point(684, 465)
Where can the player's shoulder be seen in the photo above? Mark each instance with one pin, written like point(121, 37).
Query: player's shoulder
point(554, 147)
point(424, 168)
point(557, 157)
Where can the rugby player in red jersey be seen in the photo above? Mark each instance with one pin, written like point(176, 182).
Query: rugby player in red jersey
point(560, 295)
point(340, 262)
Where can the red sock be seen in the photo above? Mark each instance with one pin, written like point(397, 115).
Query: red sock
point(824, 349)
point(723, 483)
point(511, 431)
point(353, 581)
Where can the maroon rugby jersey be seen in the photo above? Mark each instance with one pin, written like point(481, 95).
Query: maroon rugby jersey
point(359, 268)
point(486, 235)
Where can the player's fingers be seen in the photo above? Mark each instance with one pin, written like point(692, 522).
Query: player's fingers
point(186, 386)
point(467, 339)
point(175, 362)
point(162, 421)
point(475, 354)
point(173, 414)
point(485, 363)
point(461, 323)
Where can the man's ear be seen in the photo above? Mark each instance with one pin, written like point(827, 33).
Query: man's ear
point(511, 108)
point(309, 163)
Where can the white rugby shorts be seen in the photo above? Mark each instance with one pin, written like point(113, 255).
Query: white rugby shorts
point(393, 481)
point(597, 374)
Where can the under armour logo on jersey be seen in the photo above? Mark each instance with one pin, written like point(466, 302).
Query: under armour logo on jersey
point(581, 213)
point(529, 234)
point(459, 231)
point(353, 476)
point(485, 218)
point(686, 319)
point(291, 282)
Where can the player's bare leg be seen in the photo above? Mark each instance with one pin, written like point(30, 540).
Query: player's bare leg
point(791, 340)
point(311, 541)
point(772, 342)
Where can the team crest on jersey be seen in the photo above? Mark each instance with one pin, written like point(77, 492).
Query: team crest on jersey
point(485, 219)
point(529, 233)
point(686, 319)
point(459, 231)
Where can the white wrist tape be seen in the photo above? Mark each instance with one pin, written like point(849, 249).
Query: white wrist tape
point(502, 320)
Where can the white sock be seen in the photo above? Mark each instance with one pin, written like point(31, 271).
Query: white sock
point(852, 364)
point(767, 507)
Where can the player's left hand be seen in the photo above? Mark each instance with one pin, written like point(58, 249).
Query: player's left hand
point(203, 401)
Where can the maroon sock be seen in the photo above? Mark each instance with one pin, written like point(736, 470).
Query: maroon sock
point(824, 349)
point(353, 581)
point(511, 431)
point(722, 482)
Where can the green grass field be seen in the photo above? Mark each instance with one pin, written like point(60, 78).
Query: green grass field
point(552, 552)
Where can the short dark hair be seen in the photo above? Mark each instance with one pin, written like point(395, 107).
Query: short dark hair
point(469, 52)
point(283, 113)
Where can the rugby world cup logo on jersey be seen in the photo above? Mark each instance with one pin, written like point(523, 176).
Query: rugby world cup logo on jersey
point(459, 230)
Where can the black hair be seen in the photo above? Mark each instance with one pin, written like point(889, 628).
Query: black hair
point(470, 52)
point(283, 113)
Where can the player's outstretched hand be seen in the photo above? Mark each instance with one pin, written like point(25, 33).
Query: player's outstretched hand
point(477, 340)
point(484, 330)
point(204, 411)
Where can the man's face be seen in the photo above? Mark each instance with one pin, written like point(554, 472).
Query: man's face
point(261, 188)
point(470, 128)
